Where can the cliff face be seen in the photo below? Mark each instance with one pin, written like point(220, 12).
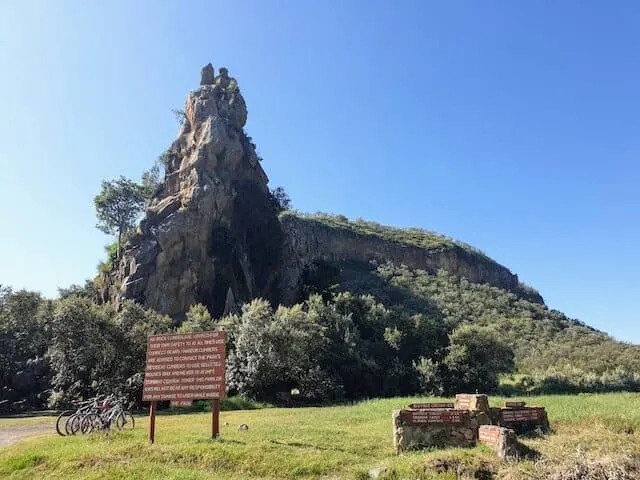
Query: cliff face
point(209, 231)
point(308, 240)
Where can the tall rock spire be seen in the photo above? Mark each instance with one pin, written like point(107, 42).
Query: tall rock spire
point(211, 229)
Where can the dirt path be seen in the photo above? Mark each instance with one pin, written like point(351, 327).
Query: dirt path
point(13, 434)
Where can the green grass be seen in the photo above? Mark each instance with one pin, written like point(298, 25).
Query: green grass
point(330, 443)
point(15, 422)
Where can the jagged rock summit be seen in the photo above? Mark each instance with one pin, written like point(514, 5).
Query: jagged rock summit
point(212, 234)
point(202, 238)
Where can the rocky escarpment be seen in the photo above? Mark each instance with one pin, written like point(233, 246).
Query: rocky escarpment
point(211, 233)
point(308, 240)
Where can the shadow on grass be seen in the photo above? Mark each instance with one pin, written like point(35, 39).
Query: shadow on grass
point(204, 406)
point(527, 453)
point(307, 445)
point(222, 440)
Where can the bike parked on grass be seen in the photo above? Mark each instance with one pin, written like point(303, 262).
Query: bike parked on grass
point(98, 413)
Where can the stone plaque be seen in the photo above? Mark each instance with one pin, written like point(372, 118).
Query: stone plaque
point(531, 414)
point(432, 405)
point(508, 404)
point(433, 416)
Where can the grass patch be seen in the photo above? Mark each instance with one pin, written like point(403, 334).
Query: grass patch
point(341, 442)
point(28, 460)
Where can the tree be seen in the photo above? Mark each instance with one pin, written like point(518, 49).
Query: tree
point(281, 199)
point(151, 179)
point(476, 357)
point(88, 290)
point(86, 350)
point(198, 320)
point(118, 205)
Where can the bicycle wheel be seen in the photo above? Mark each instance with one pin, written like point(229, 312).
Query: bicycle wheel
point(91, 423)
point(125, 421)
point(60, 424)
point(72, 425)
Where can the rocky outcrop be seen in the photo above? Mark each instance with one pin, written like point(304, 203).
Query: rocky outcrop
point(308, 240)
point(209, 231)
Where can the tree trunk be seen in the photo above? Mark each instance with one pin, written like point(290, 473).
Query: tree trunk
point(118, 249)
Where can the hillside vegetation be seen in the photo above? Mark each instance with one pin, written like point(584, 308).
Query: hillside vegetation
point(594, 437)
point(361, 330)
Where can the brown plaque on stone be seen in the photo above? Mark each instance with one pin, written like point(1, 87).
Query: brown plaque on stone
point(433, 416)
point(489, 434)
point(514, 404)
point(530, 414)
point(432, 405)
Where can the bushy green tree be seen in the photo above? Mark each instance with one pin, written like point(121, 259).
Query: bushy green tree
point(118, 204)
point(24, 338)
point(86, 351)
point(97, 350)
point(152, 178)
point(429, 376)
point(87, 290)
point(475, 359)
point(281, 199)
point(198, 319)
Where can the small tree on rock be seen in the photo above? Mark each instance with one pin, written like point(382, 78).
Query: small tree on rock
point(281, 199)
point(118, 205)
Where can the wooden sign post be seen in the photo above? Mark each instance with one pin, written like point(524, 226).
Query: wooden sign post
point(184, 367)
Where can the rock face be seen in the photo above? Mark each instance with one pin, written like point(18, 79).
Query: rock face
point(307, 240)
point(211, 233)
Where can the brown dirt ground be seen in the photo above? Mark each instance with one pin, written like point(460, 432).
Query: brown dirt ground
point(13, 434)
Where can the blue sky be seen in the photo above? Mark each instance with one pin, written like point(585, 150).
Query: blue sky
point(513, 126)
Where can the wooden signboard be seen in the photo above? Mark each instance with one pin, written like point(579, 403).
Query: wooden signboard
point(429, 406)
point(184, 367)
point(527, 414)
point(433, 416)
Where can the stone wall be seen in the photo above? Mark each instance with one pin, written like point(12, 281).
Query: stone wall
point(414, 429)
point(428, 425)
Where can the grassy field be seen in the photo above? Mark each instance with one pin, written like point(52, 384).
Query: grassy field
point(597, 434)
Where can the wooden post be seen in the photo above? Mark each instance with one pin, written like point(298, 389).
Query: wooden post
point(215, 418)
point(152, 423)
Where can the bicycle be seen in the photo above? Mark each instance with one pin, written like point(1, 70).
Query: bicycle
point(107, 416)
point(69, 422)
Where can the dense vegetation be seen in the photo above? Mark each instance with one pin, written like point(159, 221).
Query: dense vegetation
point(554, 352)
point(364, 331)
